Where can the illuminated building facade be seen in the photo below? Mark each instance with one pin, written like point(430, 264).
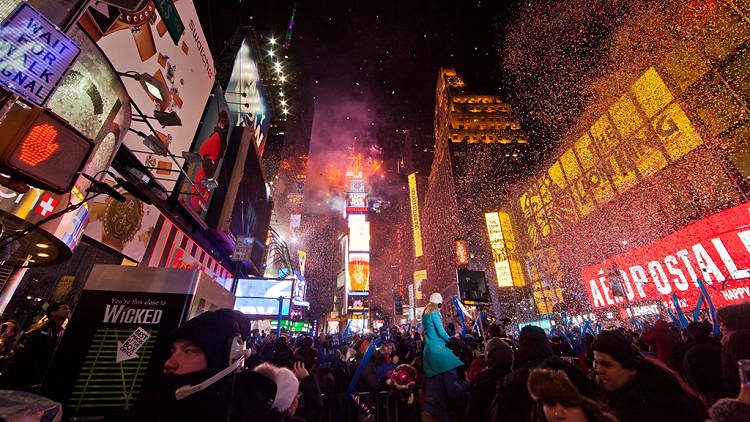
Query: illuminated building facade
point(479, 150)
point(651, 184)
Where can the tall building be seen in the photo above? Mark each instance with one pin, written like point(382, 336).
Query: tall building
point(479, 151)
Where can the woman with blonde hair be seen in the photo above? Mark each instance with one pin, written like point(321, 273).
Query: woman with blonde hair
point(441, 385)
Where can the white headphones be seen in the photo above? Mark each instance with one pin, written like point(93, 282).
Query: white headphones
point(237, 355)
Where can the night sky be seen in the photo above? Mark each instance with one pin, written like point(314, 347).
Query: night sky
point(387, 51)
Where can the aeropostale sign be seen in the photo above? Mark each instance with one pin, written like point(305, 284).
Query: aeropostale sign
point(715, 249)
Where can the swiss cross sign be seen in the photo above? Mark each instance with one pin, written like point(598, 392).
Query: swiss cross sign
point(46, 206)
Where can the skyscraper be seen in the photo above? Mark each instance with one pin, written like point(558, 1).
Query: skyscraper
point(480, 150)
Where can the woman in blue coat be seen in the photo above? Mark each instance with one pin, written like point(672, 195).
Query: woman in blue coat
point(441, 386)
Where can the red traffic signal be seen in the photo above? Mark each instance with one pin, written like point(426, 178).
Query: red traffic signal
point(42, 149)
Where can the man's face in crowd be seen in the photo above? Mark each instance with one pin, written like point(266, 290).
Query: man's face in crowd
point(186, 358)
point(60, 314)
point(610, 372)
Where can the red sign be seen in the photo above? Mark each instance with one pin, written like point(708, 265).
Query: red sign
point(46, 206)
point(462, 255)
point(38, 145)
point(715, 250)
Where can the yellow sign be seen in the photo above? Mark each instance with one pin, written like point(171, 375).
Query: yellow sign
point(510, 248)
point(415, 214)
point(639, 135)
point(545, 298)
point(499, 253)
point(419, 277)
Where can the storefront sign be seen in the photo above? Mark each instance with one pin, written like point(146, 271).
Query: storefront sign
point(36, 55)
point(174, 249)
point(715, 250)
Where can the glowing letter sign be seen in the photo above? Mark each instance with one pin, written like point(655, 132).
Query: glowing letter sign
point(715, 249)
point(415, 214)
point(499, 254)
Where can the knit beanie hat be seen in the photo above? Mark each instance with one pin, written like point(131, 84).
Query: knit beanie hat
point(499, 354)
point(214, 332)
point(615, 344)
point(730, 410)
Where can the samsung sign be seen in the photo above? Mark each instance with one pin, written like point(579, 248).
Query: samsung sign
point(35, 55)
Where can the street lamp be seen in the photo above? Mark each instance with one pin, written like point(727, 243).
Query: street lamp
point(149, 83)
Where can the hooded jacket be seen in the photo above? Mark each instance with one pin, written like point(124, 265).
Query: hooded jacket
point(654, 395)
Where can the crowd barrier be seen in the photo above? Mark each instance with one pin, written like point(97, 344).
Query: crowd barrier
point(383, 406)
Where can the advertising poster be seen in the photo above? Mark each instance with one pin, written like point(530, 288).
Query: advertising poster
point(359, 272)
point(139, 42)
point(211, 143)
point(92, 373)
point(245, 97)
point(419, 277)
point(126, 227)
point(715, 249)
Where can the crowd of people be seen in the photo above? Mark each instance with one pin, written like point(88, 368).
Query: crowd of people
point(219, 369)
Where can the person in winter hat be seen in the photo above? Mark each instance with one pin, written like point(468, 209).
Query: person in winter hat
point(200, 348)
point(499, 358)
point(733, 410)
point(287, 387)
point(641, 389)
point(441, 388)
point(557, 399)
point(512, 399)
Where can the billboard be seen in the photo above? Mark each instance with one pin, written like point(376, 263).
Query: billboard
point(126, 227)
point(245, 97)
point(137, 42)
point(638, 136)
point(715, 249)
point(546, 298)
point(356, 202)
point(211, 143)
point(472, 286)
point(359, 236)
point(358, 302)
point(462, 254)
point(358, 271)
point(260, 297)
point(419, 277)
point(414, 200)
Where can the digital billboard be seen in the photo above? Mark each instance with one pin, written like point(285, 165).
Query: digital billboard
point(358, 272)
point(138, 42)
point(245, 97)
point(638, 136)
point(211, 144)
point(462, 255)
point(715, 249)
point(260, 297)
point(419, 277)
point(472, 286)
point(359, 236)
point(356, 202)
point(414, 201)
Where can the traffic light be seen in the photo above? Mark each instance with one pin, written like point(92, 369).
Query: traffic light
point(41, 149)
point(398, 304)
